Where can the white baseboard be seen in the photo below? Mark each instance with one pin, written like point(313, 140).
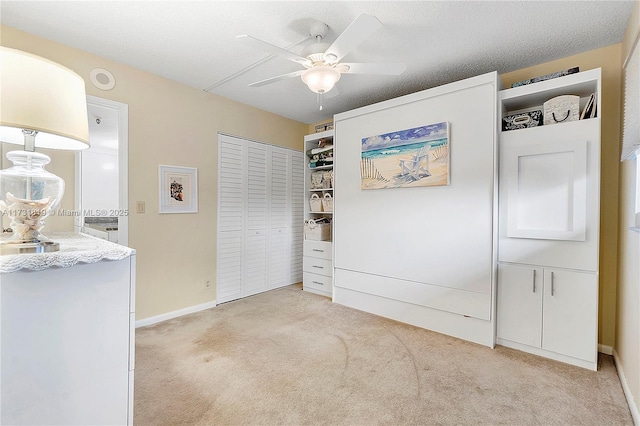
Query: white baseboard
point(604, 349)
point(174, 314)
point(635, 414)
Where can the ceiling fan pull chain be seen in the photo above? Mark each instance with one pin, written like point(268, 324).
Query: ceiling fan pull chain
point(319, 100)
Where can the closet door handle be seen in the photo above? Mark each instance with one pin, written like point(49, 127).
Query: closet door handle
point(534, 280)
point(552, 289)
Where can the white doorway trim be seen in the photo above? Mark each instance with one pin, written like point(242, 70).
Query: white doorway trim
point(123, 167)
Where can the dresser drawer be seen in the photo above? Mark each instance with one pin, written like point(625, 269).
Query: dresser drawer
point(317, 266)
point(321, 249)
point(316, 282)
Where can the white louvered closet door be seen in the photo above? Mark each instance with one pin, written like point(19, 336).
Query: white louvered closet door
point(260, 213)
point(296, 204)
point(278, 247)
point(231, 177)
point(255, 271)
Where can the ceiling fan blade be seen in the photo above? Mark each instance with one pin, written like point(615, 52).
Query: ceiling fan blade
point(275, 50)
point(277, 78)
point(357, 32)
point(380, 69)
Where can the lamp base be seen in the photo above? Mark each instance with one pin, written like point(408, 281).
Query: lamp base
point(23, 248)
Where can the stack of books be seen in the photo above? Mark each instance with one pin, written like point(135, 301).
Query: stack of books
point(590, 109)
point(573, 70)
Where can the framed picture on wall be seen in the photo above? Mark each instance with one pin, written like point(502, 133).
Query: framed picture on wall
point(178, 189)
point(406, 158)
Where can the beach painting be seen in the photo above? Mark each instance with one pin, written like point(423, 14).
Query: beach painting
point(406, 158)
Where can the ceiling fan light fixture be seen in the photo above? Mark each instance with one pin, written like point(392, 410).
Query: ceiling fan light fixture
point(321, 78)
point(330, 58)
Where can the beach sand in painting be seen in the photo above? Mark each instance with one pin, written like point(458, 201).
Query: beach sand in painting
point(390, 169)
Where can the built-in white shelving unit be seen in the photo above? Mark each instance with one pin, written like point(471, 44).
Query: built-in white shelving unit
point(318, 252)
point(547, 299)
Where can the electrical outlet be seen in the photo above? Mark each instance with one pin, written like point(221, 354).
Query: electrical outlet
point(207, 284)
point(139, 206)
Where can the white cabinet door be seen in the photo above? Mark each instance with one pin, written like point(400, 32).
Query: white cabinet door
point(570, 311)
point(551, 309)
point(546, 186)
point(520, 304)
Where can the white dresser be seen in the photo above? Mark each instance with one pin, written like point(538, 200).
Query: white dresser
point(317, 267)
point(68, 334)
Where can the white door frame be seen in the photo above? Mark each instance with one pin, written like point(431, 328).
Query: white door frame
point(123, 168)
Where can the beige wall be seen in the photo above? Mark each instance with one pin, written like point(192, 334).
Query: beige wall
point(169, 123)
point(608, 59)
point(628, 317)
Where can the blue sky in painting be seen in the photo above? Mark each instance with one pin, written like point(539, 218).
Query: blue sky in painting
point(405, 137)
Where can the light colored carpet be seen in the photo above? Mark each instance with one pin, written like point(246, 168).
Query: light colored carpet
point(290, 357)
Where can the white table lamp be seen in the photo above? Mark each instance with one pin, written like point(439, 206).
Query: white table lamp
point(42, 104)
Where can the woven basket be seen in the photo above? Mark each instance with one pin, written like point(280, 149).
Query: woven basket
point(316, 179)
point(315, 203)
point(327, 179)
point(317, 231)
point(561, 109)
point(327, 203)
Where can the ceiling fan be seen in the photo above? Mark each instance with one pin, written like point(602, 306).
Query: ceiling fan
point(322, 61)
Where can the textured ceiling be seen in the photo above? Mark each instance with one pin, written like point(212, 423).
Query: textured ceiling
point(193, 42)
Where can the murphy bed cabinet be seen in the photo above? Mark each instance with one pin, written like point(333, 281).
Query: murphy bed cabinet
point(317, 261)
point(549, 205)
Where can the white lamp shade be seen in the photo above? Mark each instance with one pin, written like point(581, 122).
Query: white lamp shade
point(38, 94)
point(321, 78)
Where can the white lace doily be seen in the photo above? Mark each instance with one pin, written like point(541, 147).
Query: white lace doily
point(74, 248)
